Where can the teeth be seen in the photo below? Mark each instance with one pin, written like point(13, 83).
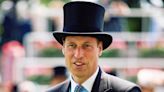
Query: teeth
point(78, 63)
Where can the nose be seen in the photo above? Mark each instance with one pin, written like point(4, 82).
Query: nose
point(78, 53)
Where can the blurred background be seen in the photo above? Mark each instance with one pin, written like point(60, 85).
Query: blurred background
point(31, 59)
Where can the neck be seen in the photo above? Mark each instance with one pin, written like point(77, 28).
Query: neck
point(79, 80)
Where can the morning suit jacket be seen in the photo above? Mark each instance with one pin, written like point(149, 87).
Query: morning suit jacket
point(103, 83)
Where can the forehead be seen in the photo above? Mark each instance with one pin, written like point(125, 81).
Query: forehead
point(80, 38)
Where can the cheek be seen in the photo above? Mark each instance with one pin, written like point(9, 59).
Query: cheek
point(68, 57)
point(91, 58)
point(66, 52)
point(68, 61)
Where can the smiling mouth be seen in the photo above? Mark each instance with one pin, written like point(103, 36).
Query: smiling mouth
point(79, 64)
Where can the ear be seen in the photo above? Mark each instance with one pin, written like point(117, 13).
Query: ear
point(63, 49)
point(100, 46)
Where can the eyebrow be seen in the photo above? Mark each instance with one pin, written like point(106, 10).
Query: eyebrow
point(98, 41)
point(85, 42)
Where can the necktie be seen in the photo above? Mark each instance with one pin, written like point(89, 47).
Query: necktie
point(79, 88)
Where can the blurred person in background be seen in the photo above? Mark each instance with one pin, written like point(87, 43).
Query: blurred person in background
point(55, 21)
point(156, 25)
point(59, 75)
point(14, 88)
point(11, 51)
point(23, 19)
point(83, 42)
point(16, 22)
point(151, 80)
point(9, 22)
point(110, 71)
point(114, 9)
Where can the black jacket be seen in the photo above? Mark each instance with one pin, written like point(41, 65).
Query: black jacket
point(103, 83)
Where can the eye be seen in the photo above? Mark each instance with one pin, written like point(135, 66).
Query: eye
point(71, 45)
point(86, 45)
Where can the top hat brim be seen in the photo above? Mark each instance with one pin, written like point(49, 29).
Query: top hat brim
point(104, 37)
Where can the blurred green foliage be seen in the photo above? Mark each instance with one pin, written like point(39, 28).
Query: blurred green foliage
point(40, 79)
point(152, 52)
point(51, 52)
point(111, 53)
point(134, 24)
point(46, 2)
point(1, 30)
point(133, 79)
point(1, 1)
point(42, 1)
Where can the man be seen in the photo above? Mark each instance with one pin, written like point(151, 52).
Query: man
point(83, 42)
point(59, 75)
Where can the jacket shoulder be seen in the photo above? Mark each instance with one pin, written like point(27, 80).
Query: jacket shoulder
point(62, 87)
point(121, 85)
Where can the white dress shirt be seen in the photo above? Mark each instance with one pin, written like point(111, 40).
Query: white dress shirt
point(87, 84)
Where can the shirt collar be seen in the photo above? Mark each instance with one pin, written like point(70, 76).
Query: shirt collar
point(87, 84)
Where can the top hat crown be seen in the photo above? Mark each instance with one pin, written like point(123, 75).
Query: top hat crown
point(83, 17)
point(86, 19)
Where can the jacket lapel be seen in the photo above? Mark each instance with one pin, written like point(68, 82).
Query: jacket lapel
point(66, 86)
point(96, 84)
point(101, 83)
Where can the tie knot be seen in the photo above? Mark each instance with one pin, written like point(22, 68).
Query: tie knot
point(79, 88)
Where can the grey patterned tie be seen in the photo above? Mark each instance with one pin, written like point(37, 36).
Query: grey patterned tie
point(79, 88)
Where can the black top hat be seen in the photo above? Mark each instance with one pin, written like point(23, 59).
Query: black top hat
point(84, 19)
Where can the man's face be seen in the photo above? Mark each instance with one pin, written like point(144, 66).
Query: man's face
point(81, 55)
